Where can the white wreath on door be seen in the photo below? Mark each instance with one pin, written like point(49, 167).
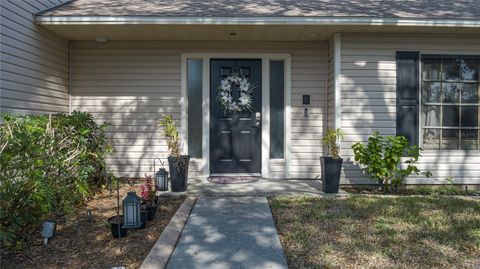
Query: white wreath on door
point(227, 85)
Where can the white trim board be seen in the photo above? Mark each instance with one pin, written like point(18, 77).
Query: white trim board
point(70, 77)
point(265, 137)
point(265, 140)
point(337, 43)
point(288, 116)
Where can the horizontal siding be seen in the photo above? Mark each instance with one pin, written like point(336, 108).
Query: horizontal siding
point(276, 169)
point(309, 76)
point(130, 84)
point(34, 62)
point(130, 88)
point(368, 83)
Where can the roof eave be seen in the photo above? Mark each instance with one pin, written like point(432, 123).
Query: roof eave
point(334, 21)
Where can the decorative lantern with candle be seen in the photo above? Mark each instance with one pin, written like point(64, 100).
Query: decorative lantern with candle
point(131, 211)
point(161, 177)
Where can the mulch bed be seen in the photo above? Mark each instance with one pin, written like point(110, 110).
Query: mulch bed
point(79, 244)
point(413, 190)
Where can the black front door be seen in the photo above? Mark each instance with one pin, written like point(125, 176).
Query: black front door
point(235, 138)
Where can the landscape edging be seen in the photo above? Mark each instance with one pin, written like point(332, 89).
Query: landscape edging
point(160, 253)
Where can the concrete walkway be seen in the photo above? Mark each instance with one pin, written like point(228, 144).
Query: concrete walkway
point(229, 233)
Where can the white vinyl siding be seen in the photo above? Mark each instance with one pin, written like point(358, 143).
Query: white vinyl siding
point(132, 83)
point(368, 83)
point(308, 77)
point(34, 62)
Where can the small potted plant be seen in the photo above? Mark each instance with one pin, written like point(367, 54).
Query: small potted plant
point(331, 165)
point(177, 163)
point(143, 218)
point(148, 195)
point(116, 226)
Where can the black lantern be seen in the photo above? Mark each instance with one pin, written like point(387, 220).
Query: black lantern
point(131, 211)
point(161, 178)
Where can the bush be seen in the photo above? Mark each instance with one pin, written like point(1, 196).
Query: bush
point(48, 164)
point(381, 159)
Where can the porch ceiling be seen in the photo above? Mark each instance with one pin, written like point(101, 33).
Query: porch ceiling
point(168, 32)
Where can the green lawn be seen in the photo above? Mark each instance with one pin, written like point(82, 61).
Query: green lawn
point(378, 232)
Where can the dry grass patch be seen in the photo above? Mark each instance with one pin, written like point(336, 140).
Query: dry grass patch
point(79, 244)
point(378, 232)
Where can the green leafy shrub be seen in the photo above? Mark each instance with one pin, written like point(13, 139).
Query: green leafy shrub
point(381, 159)
point(48, 164)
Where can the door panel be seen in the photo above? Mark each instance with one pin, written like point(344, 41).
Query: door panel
point(225, 145)
point(245, 153)
point(235, 139)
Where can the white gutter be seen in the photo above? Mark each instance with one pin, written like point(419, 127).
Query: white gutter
point(336, 21)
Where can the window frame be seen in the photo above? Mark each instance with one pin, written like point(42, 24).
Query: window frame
point(458, 104)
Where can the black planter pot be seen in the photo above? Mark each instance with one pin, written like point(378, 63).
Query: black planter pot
point(116, 232)
point(143, 218)
point(179, 172)
point(149, 209)
point(331, 169)
point(151, 212)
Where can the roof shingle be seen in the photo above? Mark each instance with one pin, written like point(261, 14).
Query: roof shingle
point(419, 9)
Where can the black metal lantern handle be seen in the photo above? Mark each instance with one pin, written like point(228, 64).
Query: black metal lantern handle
point(154, 168)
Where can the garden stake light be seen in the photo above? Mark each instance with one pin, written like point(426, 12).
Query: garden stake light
point(161, 177)
point(89, 216)
point(48, 230)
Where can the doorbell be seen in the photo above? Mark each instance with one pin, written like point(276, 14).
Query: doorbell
point(305, 102)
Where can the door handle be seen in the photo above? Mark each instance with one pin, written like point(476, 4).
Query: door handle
point(258, 120)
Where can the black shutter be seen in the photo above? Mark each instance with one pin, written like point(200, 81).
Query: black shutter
point(407, 95)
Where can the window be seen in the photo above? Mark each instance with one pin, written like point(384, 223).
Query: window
point(450, 114)
point(277, 109)
point(194, 95)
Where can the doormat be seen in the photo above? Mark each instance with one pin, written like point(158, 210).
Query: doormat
point(232, 180)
